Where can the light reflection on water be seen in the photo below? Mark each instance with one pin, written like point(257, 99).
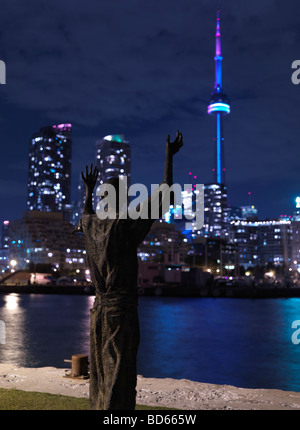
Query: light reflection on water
point(43, 330)
point(15, 333)
point(242, 342)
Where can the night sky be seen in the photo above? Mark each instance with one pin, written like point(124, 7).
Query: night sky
point(145, 69)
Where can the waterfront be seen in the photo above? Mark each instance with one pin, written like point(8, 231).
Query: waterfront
point(241, 342)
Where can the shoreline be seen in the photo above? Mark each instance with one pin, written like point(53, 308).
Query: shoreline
point(165, 392)
point(237, 292)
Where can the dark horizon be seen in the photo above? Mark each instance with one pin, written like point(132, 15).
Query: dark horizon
point(144, 72)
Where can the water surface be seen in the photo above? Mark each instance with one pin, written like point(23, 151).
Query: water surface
point(241, 342)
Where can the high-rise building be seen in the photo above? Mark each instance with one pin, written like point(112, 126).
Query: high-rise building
point(245, 235)
point(215, 211)
point(263, 242)
point(186, 213)
point(49, 169)
point(113, 158)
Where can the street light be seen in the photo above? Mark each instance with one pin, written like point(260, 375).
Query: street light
point(13, 264)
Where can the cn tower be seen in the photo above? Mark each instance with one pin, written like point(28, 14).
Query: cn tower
point(218, 107)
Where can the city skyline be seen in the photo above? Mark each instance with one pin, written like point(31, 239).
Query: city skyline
point(116, 89)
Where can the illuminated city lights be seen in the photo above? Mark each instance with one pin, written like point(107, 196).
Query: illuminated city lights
point(218, 107)
point(49, 175)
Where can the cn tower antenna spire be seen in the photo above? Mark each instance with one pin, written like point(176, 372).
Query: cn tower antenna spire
point(218, 56)
point(218, 35)
point(219, 106)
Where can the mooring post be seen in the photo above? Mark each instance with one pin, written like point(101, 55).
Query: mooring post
point(79, 366)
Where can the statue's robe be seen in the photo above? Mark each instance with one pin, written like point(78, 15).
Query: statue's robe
point(111, 249)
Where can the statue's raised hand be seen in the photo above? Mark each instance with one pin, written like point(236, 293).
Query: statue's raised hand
point(90, 177)
point(173, 147)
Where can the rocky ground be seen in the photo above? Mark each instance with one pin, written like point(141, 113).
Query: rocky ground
point(179, 394)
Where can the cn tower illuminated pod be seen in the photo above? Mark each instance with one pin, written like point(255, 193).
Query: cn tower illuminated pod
point(219, 106)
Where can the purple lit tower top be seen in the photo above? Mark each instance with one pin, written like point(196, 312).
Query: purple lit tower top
point(219, 106)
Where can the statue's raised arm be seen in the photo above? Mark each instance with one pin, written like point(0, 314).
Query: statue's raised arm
point(171, 149)
point(90, 180)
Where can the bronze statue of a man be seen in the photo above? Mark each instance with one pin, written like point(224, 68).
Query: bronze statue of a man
point(111, 249)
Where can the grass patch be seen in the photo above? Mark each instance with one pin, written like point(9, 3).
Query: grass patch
point(13, 399)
